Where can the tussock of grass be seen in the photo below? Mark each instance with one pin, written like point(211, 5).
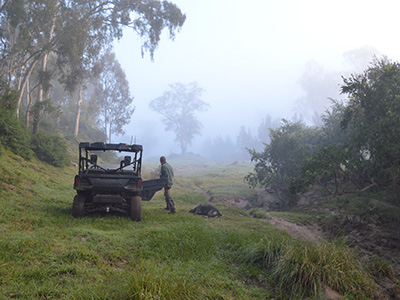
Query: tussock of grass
point(153, 280)
point(293, 216)
point(257, 213)
point(306, 267)
point(380, 268)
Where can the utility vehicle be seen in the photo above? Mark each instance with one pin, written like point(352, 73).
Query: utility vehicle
point(112, 187)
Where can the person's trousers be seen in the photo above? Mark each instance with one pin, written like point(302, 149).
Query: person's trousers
point(168, 199)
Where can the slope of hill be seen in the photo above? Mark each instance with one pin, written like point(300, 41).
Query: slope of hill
point(47, 254)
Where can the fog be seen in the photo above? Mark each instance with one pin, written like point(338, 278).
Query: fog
point(252, 58)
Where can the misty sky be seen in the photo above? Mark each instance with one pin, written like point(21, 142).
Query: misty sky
point(248, 56)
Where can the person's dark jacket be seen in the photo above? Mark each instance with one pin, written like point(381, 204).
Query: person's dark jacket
point(168, 172)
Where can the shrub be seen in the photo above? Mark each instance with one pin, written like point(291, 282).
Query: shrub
point(13, 135)
point(280, 163)
point(51, 149)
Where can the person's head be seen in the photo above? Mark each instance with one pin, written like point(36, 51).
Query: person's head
point(163, 160)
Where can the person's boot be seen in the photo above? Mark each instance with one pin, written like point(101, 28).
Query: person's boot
point(168, 207)
point(172, 207)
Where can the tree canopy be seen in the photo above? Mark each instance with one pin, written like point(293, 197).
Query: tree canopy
point(356, 149)
point(47, 40)
point(112, 96)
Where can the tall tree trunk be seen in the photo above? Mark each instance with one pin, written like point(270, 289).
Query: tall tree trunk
point(23, 85)
point(37, 117)
point(36, 123)
point(28, 104)
point(44, 68)
point(46, 55)
point(183, 146)
point(78, 112)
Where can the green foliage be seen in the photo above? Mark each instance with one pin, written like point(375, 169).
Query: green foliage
point(279, 166)
point(356, 149)
point(48, 42)
point(329, 161)
point(374, 114)
point(45, 106)
point(51, 149)
point(359, 148)
point(8, 98)
point(12, 134)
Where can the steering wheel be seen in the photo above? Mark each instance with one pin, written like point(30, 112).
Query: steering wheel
point(96, 167)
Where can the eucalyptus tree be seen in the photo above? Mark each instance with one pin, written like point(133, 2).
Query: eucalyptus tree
point(178, 106)
point(112, 96)
point(76, 31)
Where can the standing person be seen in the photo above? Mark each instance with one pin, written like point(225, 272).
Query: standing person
point(168, 173)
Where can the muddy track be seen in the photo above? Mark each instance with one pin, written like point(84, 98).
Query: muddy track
point(298, 231)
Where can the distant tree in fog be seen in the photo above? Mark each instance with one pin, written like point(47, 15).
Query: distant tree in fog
point(264, 129)
point(178, 107)
point(319, 86)
point(297, 118)
point(220, 149)
point(360, 58)
point(245, 140)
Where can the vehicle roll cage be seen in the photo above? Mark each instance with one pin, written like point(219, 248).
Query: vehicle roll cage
point(86, 158)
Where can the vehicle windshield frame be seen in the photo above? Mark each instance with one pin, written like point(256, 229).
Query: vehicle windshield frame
point(86, 163)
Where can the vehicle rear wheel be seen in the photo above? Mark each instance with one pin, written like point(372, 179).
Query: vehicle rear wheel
point(78, 206)
point(135, 209)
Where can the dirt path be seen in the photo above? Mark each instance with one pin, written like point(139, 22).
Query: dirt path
point(298, 231)
point(303, 232)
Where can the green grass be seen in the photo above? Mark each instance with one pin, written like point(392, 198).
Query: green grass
point(257, 213)
point(294, 217)
point(303, 268)
point(47, 254)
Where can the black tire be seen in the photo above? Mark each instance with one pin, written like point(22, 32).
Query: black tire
point(78, 206)
point(135, 208)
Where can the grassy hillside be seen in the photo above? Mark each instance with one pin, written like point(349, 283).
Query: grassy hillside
point(47, 254)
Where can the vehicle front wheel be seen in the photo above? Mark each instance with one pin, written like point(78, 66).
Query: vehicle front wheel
point(78, 206)
point(135, 209)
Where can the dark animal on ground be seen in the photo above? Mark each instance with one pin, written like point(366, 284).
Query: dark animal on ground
point(206, 210)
